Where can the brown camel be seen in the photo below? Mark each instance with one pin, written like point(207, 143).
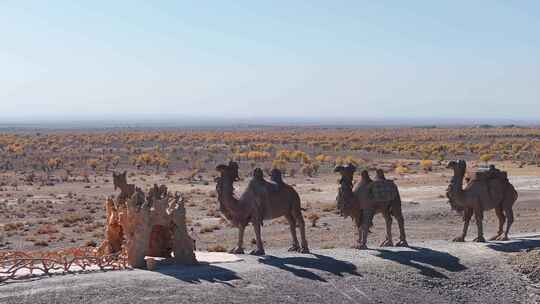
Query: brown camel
point(126, 190)
point(479, 195)
point(366, 200)
point(260, 201)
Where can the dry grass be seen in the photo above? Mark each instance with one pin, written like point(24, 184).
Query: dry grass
point(313, 217)
point(216, 248)
point(213, 212)
point(75, 218)
point(13, 226)
point(41, 243)
point(47, 229)
point(209, 228)
point(73, 205)
point(329, 207)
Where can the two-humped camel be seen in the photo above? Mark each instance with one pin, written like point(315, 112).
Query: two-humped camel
point(261, 200)
point(364, 202)
point(479, 195)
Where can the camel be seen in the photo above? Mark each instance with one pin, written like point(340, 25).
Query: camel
point(261, 200)
point(361, 204)
point(126, 190)
point(481, 195)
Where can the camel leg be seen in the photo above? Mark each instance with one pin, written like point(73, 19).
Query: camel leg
point(510, 220)
point(240, 245)
point(398, 215)
point(302, 226)
point(479, 217)
point(358, 224)
point(467, 214)
point(367, 216)
point(502, 219)
point(367, 220)
point(260, 248)
point(292, 226)
point(388, 220)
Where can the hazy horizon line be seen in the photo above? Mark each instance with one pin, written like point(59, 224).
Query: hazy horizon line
point(194, 121)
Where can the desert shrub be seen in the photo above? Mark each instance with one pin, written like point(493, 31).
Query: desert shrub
point(292, 172)
point(213, 212)
point(13, 226)
point(313, 217)
point(402, 169)
point(350, 160)
point(280, 164)
point(486, 157)
point(217, 248)
point(323, 158)
point(426, 164)
point(75, 218)
point(93, 163)
point(307, 170)
point(41, 243)
point(47, 229)
point(209, 228)
point(91, 243)
point(329, 207)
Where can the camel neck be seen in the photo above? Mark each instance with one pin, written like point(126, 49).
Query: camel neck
point(457, 186)
point(346, 190)
point(226, 195)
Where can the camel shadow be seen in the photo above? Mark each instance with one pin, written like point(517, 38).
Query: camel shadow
point(299, 266)
point(198, 273)
point(425, 260)
point(514, 245)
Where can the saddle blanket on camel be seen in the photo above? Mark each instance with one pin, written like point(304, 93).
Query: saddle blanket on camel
point(383, 191)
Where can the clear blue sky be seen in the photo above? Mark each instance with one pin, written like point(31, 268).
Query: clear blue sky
point(278, 58)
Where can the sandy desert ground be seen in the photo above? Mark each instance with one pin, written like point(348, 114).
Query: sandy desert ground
point(53, 183)
point(53, 188)
point(72, 214)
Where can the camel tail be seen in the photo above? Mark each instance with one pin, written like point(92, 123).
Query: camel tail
point(296, 201)
point(395, 208)
point(514, 193)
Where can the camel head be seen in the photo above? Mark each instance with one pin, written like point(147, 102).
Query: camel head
point(347, 174)
point(380, 174)
point(120, 180)
point(229, 171)
point(345, 197)
point(276, 176)
point(457, 166)
point(365, 177)
point(224, 172)
point(234, 170)
point(456, 183)
point(451, 164)
point(228, 175)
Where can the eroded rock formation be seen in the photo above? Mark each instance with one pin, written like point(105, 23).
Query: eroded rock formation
point(148, 224)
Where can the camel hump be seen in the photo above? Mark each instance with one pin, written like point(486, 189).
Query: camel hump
point(383, 191)
point(276, 176)
point(493, 181)
point(490, 173)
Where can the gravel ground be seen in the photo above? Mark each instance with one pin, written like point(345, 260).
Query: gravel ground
point(528, 263)
point(430, 272)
